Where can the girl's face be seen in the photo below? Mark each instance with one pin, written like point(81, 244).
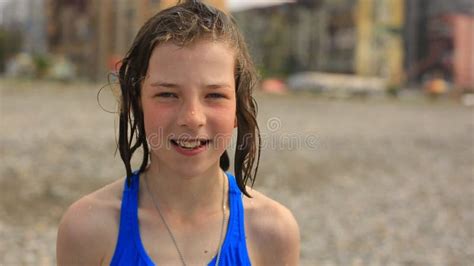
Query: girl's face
point(189, 106)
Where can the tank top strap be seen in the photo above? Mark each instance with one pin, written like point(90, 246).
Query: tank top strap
point(237, 208)
point(128, 218)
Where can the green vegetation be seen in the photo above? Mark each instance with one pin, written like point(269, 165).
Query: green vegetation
point(10, 44)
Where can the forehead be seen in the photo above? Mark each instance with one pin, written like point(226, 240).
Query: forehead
point(201, 58)
point(208, 50)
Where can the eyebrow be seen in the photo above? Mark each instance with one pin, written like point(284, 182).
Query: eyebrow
point(218, 85)
point(173, 85)
point(164, 84)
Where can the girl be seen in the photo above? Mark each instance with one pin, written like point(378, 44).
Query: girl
point(186, 83)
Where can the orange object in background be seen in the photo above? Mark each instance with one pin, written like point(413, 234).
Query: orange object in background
point(273, 85)
point(436, 86)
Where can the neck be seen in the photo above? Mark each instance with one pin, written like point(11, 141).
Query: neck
point(185, 195)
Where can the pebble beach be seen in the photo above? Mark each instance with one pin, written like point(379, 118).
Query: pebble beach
point(371, 181)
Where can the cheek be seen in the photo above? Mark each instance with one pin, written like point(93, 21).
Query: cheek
point(156, 120)
point(225, 117)
point(224, 126)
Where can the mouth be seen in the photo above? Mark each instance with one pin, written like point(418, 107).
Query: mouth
point(190, 144)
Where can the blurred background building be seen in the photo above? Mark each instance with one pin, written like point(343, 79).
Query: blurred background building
point(439, 40)
point(92, 35)
point(402, 42)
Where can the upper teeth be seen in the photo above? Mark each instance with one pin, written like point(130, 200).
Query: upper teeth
point(189, 144)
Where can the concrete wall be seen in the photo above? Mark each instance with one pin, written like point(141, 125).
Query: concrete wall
point(463, 51)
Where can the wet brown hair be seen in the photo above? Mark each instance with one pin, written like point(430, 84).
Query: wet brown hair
point(184, 24)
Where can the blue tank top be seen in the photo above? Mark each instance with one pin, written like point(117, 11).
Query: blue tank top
point(130, 250)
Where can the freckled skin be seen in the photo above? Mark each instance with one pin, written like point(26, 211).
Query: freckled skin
point(189, 91)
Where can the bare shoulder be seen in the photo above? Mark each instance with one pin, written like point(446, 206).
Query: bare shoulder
point(272, 232)
point(88, 229)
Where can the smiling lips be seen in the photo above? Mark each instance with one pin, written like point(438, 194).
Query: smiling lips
point(190, 144)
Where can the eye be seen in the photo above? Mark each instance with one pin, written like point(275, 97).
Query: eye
point(215, 95)
point(167, 95)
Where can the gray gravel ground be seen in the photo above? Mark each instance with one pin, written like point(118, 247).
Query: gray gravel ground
point(371, 182)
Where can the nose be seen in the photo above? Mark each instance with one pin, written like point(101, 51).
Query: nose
point(191, 115)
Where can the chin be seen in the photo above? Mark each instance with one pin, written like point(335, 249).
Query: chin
point(187, 167)
point(193, 169)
